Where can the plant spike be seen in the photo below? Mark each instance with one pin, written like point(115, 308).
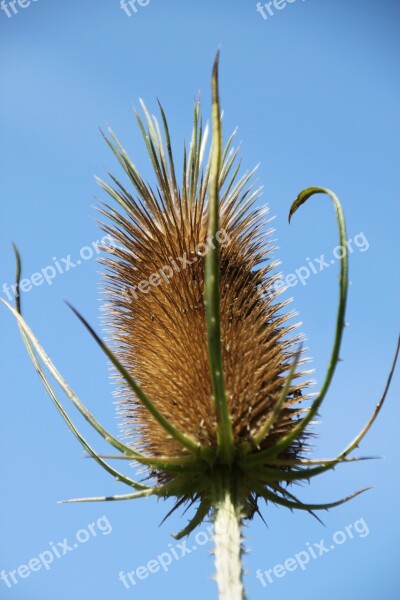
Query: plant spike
point(167, 463)
point(212, 301)
point(343, 290)
point(342, 457)
point(198, 518)
point(147, 460)
point(144, 494)
point(186, 442)
point(340, 320)
point(305, 506)
point(119, 476)
point(354, 444)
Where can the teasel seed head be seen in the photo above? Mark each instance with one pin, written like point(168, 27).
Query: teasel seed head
point(155, 312)
point(212, 389)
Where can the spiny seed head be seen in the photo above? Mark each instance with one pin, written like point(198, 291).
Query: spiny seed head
point(204, 354)
point(155, 280)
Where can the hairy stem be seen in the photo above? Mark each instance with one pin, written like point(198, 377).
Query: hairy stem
point(228, 540)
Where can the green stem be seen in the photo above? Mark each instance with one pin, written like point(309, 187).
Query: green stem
point(228, 540)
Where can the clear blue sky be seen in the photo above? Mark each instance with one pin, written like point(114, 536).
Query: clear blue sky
point(315, 92)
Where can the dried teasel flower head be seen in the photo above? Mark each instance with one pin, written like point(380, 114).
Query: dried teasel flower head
point(206, 358)
point(156, 310)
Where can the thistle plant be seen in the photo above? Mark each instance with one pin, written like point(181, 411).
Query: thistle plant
point(212, 392)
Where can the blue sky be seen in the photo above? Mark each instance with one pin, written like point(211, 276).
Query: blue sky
point(315, 92)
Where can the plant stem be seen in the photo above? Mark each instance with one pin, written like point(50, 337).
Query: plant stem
point(228, 540)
